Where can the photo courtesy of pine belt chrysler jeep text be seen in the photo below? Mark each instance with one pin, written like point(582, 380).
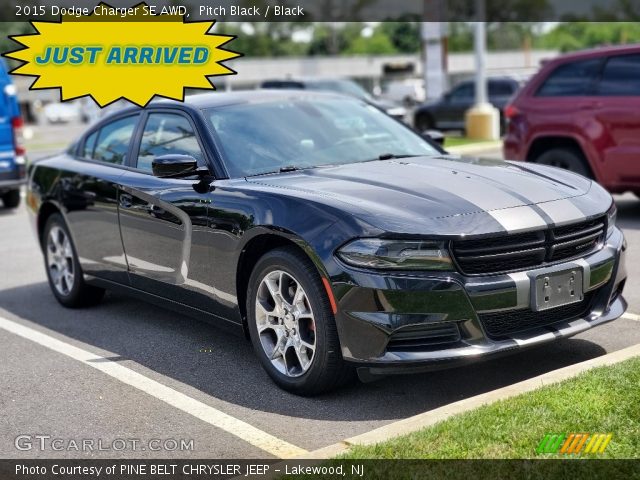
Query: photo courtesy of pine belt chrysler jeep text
point(334, 237)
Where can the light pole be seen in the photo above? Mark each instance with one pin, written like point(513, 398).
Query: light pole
point(483, 119)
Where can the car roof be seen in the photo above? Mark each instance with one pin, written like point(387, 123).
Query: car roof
point(596, 52)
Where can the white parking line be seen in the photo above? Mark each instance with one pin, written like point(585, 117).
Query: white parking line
point(631, 316)
point(250, 434)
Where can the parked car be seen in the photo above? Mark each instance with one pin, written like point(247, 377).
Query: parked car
point(339, 85)
point(448, 112)
point(12, 153)
point(408, 92)
point(581, 112)
point(333, 236)
point(58, 112)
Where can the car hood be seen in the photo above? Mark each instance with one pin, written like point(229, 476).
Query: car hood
point(445, 195)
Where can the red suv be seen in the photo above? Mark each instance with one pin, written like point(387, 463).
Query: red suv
point(582, 112)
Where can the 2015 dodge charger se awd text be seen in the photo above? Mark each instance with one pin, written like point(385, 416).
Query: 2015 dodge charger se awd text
point(333, 236)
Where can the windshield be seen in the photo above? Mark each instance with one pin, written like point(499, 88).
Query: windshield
point(291, 133)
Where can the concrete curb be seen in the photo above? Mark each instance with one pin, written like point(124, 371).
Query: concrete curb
point(422, 420)
point(475, 148)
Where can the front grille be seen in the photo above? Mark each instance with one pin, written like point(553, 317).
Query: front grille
point(423, 336)
point(526, 250)
point(501, 324)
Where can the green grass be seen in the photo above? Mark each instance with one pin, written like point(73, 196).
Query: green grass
point(460, 141)
point(603, 400)
point(45, 146)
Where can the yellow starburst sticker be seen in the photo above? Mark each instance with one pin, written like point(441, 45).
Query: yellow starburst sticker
point(136, 58)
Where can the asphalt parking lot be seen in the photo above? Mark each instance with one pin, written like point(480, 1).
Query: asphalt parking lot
point(177, 378)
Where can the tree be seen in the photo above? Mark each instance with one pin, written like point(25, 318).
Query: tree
point(404, 34)
point(579, 35)
point(377, 44)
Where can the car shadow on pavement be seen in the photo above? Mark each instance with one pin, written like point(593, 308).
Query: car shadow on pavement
point(224, 366)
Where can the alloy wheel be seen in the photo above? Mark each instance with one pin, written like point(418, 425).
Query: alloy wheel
point(285, 322)
point(60, 260)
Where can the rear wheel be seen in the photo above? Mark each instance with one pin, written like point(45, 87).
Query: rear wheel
point(11, 199)
point(63, 269)
point(292, 326)
point(565, 158)
point(424, 121)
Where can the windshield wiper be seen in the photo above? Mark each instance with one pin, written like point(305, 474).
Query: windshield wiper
point(286, 168)
point(389, 156)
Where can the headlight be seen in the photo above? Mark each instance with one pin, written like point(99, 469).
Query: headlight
point(396, 254)
point(611, 219)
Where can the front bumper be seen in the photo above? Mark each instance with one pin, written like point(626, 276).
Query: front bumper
point(375, 310)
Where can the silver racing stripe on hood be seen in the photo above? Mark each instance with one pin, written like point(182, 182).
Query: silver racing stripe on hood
point(562, 212)
point(517, 219)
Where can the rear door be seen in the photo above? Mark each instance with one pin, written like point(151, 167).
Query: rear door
point(164, 221)
point(89, 194)
point(563, 104)
point(617, 109)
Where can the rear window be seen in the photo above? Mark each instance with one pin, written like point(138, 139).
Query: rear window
point(501, 89)
point(111, 142)
point(620, 76)
point(571, 79)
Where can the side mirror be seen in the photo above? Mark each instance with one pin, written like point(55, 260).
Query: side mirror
point(435, 136)
point(174, 166)
point(447, 97)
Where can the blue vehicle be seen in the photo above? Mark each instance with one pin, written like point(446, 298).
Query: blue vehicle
point(12, 153)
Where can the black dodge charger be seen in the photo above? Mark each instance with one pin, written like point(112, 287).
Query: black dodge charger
point(333, 236)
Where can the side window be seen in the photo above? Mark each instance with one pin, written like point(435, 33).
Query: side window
point(570, 79)
point(501, 89)
point(165, 134)
point(113, 140)
point(620, 76)
point(463, 93)
point(89, 145)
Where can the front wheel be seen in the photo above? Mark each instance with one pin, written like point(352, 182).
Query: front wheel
point(292, 326)
point(63, 269)
point(567, 159)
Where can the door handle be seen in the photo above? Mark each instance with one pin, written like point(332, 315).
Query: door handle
point(126, 200)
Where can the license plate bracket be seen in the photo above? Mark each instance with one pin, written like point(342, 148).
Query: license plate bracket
point(555, 289)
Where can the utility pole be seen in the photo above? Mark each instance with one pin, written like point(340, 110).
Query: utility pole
point(483, 119)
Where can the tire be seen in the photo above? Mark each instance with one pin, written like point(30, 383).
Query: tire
point(424, 121)
point(11, 199)
point(294, 322)
point(63, 269)
point(567, 159)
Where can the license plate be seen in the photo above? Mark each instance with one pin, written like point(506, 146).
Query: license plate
point(557, 288)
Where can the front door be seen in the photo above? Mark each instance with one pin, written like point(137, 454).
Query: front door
point(164, 221)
